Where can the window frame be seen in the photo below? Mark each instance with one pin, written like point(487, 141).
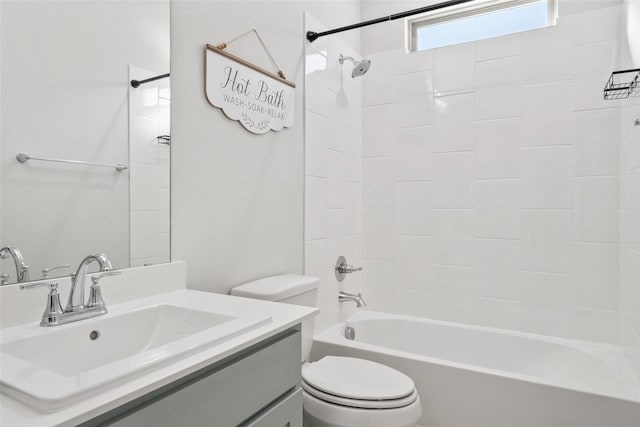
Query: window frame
point(466, 10)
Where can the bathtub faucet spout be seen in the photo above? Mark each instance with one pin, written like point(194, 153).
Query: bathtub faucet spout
point(344, 296)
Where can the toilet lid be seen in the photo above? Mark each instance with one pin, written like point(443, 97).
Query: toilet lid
point(361, 379)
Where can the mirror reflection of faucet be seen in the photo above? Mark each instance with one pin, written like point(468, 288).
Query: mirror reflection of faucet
point(22, 270)
point(47, 271)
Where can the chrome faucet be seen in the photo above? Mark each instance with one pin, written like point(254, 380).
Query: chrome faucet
point(22, 270)
point(344, 296)
point(76, 308)
point(76, 296)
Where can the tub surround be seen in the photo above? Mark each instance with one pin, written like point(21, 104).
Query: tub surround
point(145, 286)
point(495, 202)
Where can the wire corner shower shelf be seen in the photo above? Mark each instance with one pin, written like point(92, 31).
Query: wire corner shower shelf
point(623, 84)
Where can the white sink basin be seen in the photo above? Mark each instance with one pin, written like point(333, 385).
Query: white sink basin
point(58, 366)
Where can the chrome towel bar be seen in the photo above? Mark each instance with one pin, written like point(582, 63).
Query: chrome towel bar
point(22, 158)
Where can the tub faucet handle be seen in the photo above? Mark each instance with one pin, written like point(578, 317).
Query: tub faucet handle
point(348, 269)
point(343, 268)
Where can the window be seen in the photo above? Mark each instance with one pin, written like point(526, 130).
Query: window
point(479, 20)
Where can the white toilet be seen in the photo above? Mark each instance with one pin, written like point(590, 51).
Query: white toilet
point(340, 391)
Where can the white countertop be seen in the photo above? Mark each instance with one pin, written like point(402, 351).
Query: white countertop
point(283, 316)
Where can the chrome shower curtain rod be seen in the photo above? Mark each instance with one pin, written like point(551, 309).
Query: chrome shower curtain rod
point(313, 36)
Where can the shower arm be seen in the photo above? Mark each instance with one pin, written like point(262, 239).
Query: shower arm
point(343, 58)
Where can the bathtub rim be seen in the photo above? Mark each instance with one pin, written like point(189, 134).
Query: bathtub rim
point(629, 393)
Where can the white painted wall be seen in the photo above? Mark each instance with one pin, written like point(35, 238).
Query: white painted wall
point(64, 95)
point(490, 180)
point(237, 198)
point(630, 192)
point(333, 171)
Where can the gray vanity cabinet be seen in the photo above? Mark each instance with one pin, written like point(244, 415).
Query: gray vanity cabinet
point(258, 387)
point(286, 413)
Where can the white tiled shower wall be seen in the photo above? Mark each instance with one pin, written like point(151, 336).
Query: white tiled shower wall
point(630, 193)
point(490, 181)
point(149, 169)
point(333, 172)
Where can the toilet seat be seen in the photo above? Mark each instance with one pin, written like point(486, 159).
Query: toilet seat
point(359, 403)
point(358, 383)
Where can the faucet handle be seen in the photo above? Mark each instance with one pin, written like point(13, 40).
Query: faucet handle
point(96, 277)
point(95, 294)
point(53, 309)
point(343, 268)
point(4, 279)
point(53, 286)
point(46, 271)
point(347, 269)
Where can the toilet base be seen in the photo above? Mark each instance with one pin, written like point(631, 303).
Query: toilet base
point(318, 413)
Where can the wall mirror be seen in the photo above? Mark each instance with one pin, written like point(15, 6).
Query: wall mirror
point(66, 68)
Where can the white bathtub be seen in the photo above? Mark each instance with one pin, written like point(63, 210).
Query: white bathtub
point(470, 376)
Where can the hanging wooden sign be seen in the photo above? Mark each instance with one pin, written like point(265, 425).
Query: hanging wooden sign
point(258, 99)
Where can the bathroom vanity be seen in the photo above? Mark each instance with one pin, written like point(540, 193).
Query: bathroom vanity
point(169, 357)
point(258, 387)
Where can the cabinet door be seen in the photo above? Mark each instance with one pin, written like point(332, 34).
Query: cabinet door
point(227, 397)
point(286, 413)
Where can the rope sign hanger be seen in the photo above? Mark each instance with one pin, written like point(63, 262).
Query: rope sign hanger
point(223, 46)
point(258, 99)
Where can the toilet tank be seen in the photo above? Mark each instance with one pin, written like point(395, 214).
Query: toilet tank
point(289, 289)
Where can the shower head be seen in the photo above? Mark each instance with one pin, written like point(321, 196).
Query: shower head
point(360, 67)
